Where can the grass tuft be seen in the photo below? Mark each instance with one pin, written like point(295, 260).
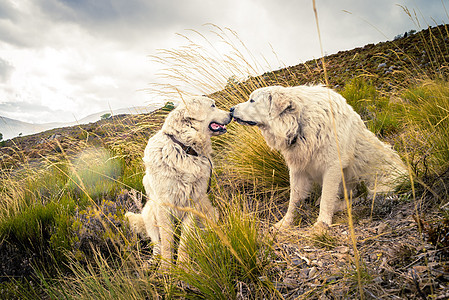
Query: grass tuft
point(231, 260)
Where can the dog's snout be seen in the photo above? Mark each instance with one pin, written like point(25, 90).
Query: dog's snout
point(232, 110)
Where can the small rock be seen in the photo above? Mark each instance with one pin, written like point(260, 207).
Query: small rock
point(290, 282)
point(381, 228)
point(303, 273)
point(342, 249)
point(382, 65)
point(378, 280)
point(312, 272)
point(340, 256)
point(420, 269)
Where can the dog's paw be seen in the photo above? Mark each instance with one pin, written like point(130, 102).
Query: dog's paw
point(320, 227)
point(282, 224)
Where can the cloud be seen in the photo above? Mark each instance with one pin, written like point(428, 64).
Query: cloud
point(83, 56)
point(24, 111)
point(5, 70)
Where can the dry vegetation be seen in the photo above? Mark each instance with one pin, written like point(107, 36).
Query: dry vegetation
point(62, 232)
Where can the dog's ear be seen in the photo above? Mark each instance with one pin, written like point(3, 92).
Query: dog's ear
point(285, 118)
point(175, 119)
point(279, 103)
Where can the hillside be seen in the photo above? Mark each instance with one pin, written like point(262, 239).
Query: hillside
point(388, 65)
point(53, 216)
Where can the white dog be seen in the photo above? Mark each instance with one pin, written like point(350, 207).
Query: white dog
point(322, 138)
point(177, 176)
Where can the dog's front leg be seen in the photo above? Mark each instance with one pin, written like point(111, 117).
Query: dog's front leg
point(205, 206)
point(329, 195)
point(299, 189)
point(187, 225)
point(166, 228)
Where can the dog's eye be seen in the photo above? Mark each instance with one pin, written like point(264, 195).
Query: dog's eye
point(251, 100)
point(213, 105)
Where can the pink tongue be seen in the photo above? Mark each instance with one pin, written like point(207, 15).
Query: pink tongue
point(216, 126)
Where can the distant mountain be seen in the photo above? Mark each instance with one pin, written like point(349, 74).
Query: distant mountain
point(11, 128)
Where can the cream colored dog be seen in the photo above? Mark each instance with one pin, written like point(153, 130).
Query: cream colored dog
point(320, 136)
point(178, 169)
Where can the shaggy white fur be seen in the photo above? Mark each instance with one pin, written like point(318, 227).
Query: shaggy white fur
point(178, 168)
point(322, 139)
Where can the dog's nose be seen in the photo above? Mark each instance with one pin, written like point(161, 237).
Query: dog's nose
point(232, 110)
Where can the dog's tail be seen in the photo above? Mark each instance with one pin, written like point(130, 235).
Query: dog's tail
point(136, 222)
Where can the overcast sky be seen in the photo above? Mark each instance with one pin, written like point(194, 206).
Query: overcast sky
point(65, 59)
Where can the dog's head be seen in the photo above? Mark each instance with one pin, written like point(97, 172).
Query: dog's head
point(272, 109)
point(263, 105)
point(201, 114)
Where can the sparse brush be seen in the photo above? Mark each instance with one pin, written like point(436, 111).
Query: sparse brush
point(324, 240)
point(427, 119)
point(380, 114)
point(122, 278)
point(246, 158)
point(231, 259)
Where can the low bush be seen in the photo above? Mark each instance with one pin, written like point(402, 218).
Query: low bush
point(379, 113)
point(230, 259)
point(101, 228)
point(426, 121)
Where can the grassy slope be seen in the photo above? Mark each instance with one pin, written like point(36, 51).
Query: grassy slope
point(404, 58)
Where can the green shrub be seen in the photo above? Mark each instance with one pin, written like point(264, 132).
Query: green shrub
point(105, 116)
point(169, 106)
point(230, 258)
point(427, 122)
point(133, 174)
point(38, 236)
point(360, 94)
point(380, 115)
point(246, 158)
point(32, 227)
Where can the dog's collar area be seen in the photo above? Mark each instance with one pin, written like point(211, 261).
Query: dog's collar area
point(187, 149)
point(190, 151)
